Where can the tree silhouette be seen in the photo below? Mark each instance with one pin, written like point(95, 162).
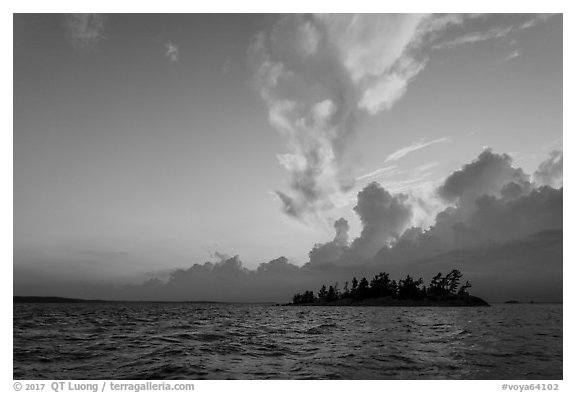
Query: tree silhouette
point(354, 291)
point(453, 280)
point(464, 288)
point(394, 288)
point(435, 287)
point(297, 299)
point(336, 290)
point(331, 296)
point(381, 286)
point(346, 293)
point(409, 288)
point(363, 289)
point(304, 298)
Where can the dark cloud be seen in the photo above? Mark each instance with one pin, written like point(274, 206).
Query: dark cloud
point(528, 268)
point(384, 217)
point(334, 250)
point(504, 233)
point(486, 175)
point(499, 219)
point(342, 227)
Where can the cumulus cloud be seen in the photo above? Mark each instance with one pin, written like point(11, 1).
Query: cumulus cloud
point(489, 201)
point(319, 75)
point(549, 172)
point(486, 175)
point(342, 227)
point(384, 217)
point(506, 239)
point(172, 52)
point(84, 31)
point(500, 219)
point(332, 251)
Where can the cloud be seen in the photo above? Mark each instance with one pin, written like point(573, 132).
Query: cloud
point(505, 218)
point(511, 56)
point(319, 76)
point(331, 251)
point(503, 232)
point(384, 217)
point(492, 34)
point(378, 172)
point(412, 148)
point(172, 52)
point(535, 20)
point(322, 75)
point(487, 175)
point(529, 268)
point(84, 31)
point(342, 227)
point(549, 172)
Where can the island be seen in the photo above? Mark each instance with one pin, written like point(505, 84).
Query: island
point(443, 291)
point(53, 299)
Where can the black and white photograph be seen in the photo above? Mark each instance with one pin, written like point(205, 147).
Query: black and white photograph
point(251, 196)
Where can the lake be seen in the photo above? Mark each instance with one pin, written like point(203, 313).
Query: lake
point(236, 341)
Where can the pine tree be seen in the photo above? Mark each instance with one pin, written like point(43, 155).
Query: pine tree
point(331, 294)
point(346, 293)
point(297, 299)
point(453, 280)
point(354, 291)
point(464, 288)
point(436, 285)
point(363, 289)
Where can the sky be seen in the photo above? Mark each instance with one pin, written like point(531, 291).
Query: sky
point(149, 143)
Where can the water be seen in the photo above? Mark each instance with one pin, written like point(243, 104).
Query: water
point(214, 341)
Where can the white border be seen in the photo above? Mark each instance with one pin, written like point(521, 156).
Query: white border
point(231, 6)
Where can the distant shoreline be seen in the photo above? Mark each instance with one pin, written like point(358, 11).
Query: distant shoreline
point(53, 299)
point(57, 299)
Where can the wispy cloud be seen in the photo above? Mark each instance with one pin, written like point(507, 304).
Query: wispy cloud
point(476, 37)
point(495, 33)
point(401, 179)
point(536, 20)
point(322, 75)
point(172, 52)
point(378, 172)
point(398, 154)
point(84, 30)
point(360, 64)
point(511, 56)
point(424, 168)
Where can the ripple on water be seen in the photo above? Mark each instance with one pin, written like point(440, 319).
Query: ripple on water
point(191, 341)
